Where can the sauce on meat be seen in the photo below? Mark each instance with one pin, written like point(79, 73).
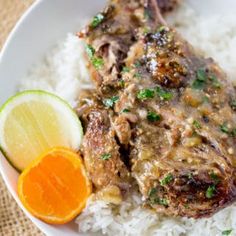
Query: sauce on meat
point(163, 114)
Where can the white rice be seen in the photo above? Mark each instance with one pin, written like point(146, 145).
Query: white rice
point(130, 219)
point(64, 72)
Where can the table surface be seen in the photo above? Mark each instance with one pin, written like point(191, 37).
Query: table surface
point(13, 222)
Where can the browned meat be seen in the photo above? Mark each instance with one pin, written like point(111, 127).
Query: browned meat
point(100, 149)
point(167, 5)
point(112, 33)
point(170, 110)
point(111, 38)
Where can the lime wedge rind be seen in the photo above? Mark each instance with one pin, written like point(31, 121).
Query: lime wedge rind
point(67, 118)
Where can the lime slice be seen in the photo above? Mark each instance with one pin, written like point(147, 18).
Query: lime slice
point(32, 122)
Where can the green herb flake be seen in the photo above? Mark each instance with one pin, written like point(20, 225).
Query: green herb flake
point(137, 64)
point(106, 156)
point(90, 51)
point(122, 83)
point(205, 99)
point(201, 75)
point(186, 206)
point(224, 128)
point(97, 62)
point(154, 199)
point(215, 177)
point(162, 201)
point(153, 116)
point(110, 101)
point(233, 104)
point(137, 75)
point(152, 192)
point(196, 124)
point(215, 81)
point(166, 180)
point(210, 191)
point(145, 94)
point(161, 29)
point(125, 69)
point(190, 175)
point(97, 20)
point(201, 80)
point(198, 84)
point(227, 232)
point(164, 94)
point(146, 30)
point(125, 110)
point(233, 132)
point(147, 13)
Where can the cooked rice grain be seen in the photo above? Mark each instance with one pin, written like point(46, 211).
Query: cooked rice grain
point(63, 71)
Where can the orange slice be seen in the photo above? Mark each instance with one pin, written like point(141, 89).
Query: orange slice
point(55, 186)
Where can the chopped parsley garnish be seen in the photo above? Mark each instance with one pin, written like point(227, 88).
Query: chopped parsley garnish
point(125, 69)
point(161, 28)
point(159, 201)
point(97, 20)
point(145, 94)
point(233, 104)
point(227, 232)
point(162, 201)
point(201, 75)
point(125, 110)
point(205, 99)
point(137, 64)
point(153, 116)
point(106, 156)
point(166, 180)
point(201, 80)
point(146, 30)
point(190, 175)
point(110, 101)
point(233, 132)
point(215, 81)
point(152, 192)
point(147, 13)
point(154, 199)
point(186, 206)
point(122, 83)
point(210, 191)
point(224, 128)
point(196, 124)
point(90, 51)
point(164, 94)
point(97, 62)
point(137, 75)
point(214, 177)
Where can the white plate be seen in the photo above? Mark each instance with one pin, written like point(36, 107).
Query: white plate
point(45, 23)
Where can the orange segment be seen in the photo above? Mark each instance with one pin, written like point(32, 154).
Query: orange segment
point(55, 187)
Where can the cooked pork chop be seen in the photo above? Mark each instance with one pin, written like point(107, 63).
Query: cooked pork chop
point(100, 148)
point(169, 109)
